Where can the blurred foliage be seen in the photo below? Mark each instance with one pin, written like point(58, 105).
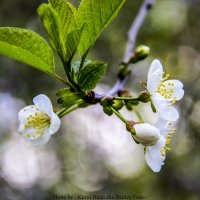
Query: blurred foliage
point(75, 163)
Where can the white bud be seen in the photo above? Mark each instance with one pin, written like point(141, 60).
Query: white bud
point(146, 134)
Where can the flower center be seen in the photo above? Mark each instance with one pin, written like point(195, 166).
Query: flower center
point(168, 141)
point(39, 122)
point(166, 90)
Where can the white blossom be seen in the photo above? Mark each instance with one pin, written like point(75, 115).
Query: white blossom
point(38, 122)
point(155, 153)
point(164, 92)
point(146, 134)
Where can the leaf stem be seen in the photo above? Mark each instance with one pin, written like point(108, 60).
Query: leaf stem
point(119, 115)
point(65, 82)
point(126, 98)
point(138, 114)
point(59, 78)
point(65, 111)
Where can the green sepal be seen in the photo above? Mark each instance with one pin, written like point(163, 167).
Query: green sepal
point(153, 107)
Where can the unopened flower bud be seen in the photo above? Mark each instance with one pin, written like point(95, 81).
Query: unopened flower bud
point(129, 127)
point(128, 105)
point(108, 100)
point(144, 97)
point(107, 110)
point(146, 134)
point(117, 104)
point(140, 53)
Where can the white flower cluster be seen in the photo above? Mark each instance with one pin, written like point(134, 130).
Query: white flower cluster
point(38, 122)
point(164, 93)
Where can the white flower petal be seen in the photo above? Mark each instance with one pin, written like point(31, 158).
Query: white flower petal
point(42, 140)
point(54, 124)
point(177, 88)
point(43, 103)
point(38, 122)
point(155, 67)
point(160, 123)
point(26, 112)
point(165, 111)
point(153, 155)
point(153, 82)
point(169, 113)
point(165, 127)
point(28, 131)
point(21, 128)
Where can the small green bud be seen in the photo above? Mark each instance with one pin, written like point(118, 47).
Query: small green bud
point(123, 72)
point(129, 106)
point(117, 104)
point(105, 101)
point(144, 97)
point(140, 53)
point(107, 110)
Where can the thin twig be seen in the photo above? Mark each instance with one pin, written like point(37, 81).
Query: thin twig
point(146, 6)
point(117, 87)
point(135, 28)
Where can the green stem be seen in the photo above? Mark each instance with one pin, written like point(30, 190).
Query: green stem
point(144, 85)
point(126, 98)
point(59, 78)
point(138, 114)
point(65, 82)
point(83, 60)
point(65, 111)
point(71, 83)
point(118, 114)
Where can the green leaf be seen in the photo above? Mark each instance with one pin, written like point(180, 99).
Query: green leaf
point(67, 98)
point(66, 31)
point(90, 75)
point(72, 41)
point(51, 22)
point(96, 14)
point(28, 47)
point(67, 13)
point(76, 65)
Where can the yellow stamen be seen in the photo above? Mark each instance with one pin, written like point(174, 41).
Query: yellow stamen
point(39, 122)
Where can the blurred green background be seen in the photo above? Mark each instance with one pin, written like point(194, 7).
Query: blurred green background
point(93, 153)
